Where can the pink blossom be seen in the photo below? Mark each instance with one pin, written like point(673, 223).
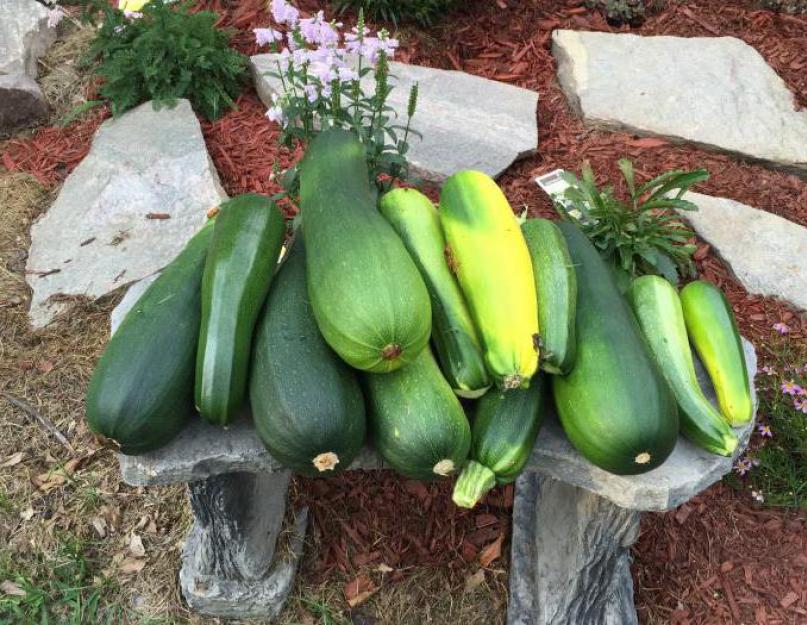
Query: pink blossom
point(781, 328)
point(284, 13)
point(317, 31)
point(265, 36)
point(276, 114)
point(55, 16)
point(791, 388)
point(743, 466)
point(354, 38)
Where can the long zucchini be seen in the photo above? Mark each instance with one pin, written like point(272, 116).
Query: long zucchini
point(306, 402)
point(491, 261)
point(503, 433)
point(367, 294)
point(141, 391)
point(615, 406)
point(713, 331)
point(455, 339)
point(556, 287)
point(658, 309)
point(243, 255)
point(417, 423)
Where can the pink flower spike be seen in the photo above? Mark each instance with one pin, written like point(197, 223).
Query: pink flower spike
point(781, 328)
point(265, 36)
point(764, 431)
point(791, 388)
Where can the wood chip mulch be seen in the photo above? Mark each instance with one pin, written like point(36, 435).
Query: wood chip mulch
point(375, 518)
point(719, 559)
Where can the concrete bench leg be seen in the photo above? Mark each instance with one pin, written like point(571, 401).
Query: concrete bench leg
point(229, 567)
point(570, 556)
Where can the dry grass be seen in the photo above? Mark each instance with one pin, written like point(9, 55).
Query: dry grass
point(62, 78)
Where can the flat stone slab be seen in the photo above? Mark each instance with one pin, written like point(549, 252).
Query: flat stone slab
point(717, 92)
point(24, 37)
point(467, 122)
point(767, 253)
point(202, 450)
point(126, 211)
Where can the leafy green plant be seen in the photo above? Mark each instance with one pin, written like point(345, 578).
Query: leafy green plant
point(164, 52)
point(321, 88)
point(640, 236)
point(421, 12)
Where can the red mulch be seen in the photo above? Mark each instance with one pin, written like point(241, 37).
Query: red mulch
point(369, 518)
point(723, 558)
point(720, 559)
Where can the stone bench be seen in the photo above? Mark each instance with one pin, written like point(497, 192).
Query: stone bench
point(573, 524)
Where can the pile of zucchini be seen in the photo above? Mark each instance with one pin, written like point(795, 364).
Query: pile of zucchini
point(383, 314)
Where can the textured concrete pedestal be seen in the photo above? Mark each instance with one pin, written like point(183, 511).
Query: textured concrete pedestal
point(573, 524)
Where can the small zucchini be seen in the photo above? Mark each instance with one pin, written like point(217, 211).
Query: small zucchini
point(415, 220)
point(238, 271)
point(713, 332)
point(658, 309)
point(503, 434)
point(556, 287)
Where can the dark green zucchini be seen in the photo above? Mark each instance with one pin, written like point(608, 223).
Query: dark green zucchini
point(417, 423)
point(614, 405)
point(713, 331)
point(369, 300)
point(556, 287)
point(455, 338)
point(658, 309)
point(503, 432)
point(306, 402)
point(141, 391)
point(238, 271)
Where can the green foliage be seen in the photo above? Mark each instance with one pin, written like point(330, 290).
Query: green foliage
point(65, 591)
point(421, 12)
point(778, 467)
point(640, 236)
point(618, 12)
point(165, 54)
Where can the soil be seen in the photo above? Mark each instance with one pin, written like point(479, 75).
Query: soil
point(721, 558)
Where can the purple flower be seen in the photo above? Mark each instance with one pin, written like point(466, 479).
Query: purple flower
point(311, 92)
point(791, 388)
point(768, 370)
point(347, 74)
point(284, 13)
point(265, 36)
point(764, 430)
point(781, 328)
point(316, 30)
point(55, 16)
point(132, 15)
point(354, 38)
point(800, 405)
point(276, 114)
point(743, 466)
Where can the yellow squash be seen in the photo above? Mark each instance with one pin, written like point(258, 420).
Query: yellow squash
point(489, 255)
